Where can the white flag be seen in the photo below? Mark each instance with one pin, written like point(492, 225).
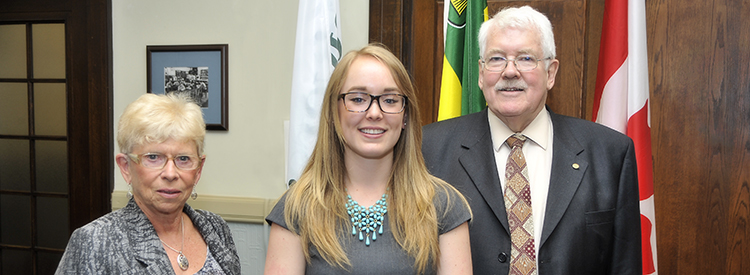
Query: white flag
point(317, 50)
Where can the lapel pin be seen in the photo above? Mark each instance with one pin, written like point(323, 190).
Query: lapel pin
point(576, 166)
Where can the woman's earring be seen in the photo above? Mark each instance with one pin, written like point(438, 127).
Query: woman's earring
point(130, 191)
point(194, 195)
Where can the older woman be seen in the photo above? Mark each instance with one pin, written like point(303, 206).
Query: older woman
point(365, 203)
point(161, 144)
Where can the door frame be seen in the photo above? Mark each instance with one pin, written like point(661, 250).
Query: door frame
point(88, 49)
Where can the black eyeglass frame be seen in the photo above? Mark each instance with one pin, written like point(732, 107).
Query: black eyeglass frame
point(374, 98)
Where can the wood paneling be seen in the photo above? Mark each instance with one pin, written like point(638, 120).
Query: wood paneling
point(699, 75)
point(700, 92)
point(412, 37)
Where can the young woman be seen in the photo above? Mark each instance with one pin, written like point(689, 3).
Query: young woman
point(365, 202)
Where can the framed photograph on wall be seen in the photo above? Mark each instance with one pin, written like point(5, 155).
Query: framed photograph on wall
point(197, 70)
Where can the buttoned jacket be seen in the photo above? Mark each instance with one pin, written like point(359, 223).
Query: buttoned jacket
point(592, 220)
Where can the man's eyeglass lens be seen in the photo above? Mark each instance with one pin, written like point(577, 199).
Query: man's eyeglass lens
point(523, 63)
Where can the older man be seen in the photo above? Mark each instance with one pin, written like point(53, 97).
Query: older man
point(550, 194)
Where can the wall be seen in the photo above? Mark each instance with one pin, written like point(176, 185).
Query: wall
point(248, 161)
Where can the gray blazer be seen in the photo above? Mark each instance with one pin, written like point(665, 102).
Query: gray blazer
point(125, 242)
point(592, 220)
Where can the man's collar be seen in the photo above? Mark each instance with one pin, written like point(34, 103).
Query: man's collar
point(537, 131)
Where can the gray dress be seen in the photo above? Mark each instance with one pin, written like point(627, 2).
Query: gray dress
point(125, 242)
point(384, 255)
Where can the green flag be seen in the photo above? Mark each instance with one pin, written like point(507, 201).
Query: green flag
point(459, 91)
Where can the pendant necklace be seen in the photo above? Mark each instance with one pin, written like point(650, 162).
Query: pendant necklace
point(367, 221)
point(182, 261)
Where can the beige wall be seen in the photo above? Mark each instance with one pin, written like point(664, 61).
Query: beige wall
point(248, 160)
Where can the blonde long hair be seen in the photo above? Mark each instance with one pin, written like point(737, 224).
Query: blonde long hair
point(315, 204)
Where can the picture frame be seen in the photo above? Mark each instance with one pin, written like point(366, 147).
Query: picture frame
point(198, 70)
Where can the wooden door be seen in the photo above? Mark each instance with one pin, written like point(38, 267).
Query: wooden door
point(56, 168)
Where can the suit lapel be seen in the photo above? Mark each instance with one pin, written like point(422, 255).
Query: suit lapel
point(146, 245)
point(211, 236)
point(478, 160)
point(568, 168)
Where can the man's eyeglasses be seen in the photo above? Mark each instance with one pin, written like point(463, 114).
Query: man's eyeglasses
point(360, 102)
point(159, 160)
point(524, 63)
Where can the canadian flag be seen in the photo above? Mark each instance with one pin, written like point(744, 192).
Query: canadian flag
point(622, 101)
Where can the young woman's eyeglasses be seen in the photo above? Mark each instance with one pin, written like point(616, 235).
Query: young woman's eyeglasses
point(523, 63)
point(159, 160)
point(360, 102)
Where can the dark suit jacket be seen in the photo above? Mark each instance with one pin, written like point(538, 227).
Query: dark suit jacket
point(592, 221)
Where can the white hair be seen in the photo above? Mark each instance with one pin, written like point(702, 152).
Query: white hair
point(524, 18)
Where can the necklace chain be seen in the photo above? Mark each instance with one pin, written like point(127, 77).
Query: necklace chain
point(182, 261)
point(367, 220)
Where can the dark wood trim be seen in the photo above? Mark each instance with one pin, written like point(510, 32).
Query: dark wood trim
point(406, 28)
point(90, 109)
point(386, 25)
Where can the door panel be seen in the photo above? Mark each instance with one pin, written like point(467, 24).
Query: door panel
point(56, 168)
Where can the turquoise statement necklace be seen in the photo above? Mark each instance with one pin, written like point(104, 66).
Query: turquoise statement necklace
point(366, 220)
